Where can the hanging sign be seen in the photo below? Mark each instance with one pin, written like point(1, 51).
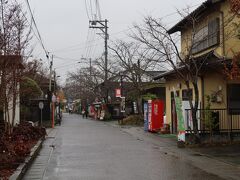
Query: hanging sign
point(118, 92)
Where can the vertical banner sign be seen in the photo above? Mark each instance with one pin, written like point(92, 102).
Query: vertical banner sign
point(149, 114)
point(135, 107)
point(53, 109)
point(118, 92)
point(123, 104)
point(145, 116)
point(181, 127)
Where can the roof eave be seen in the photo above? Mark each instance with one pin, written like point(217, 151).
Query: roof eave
point(177, 27)
point(164, 75)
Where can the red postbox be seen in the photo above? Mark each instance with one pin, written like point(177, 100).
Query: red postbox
point(155, 115)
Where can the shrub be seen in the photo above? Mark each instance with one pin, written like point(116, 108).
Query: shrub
point(136, 120)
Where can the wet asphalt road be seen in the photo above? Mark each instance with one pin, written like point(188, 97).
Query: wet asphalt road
point(91, 150)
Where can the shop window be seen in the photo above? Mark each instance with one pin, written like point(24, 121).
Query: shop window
point(187, 94)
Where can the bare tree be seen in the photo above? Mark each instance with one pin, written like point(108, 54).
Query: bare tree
point(133, 62)
point(154, 35)
point(81, 84)
point(35, 70)
point(15, 36)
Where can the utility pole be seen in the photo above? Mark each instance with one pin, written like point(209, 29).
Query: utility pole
point(103, 26)
point(54, 75)
point(50, 76)
point(52, 113)
point(106, 49)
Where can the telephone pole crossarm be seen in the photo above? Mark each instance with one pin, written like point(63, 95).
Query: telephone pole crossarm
point(96, 27)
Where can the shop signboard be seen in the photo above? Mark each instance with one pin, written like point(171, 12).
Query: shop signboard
point(123, 106)
point(180, 118)
point(118, 92)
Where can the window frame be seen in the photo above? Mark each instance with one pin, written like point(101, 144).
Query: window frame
point(203, 40)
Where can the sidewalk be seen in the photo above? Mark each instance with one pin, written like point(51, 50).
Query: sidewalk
point(221, 161)
point(38, 167)
point(228, 154)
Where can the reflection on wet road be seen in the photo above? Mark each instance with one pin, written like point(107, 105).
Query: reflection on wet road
point(90, 150)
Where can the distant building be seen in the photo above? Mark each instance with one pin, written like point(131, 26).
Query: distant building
point(128, 89)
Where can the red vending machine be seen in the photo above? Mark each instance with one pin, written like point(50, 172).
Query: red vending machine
point(155, 115)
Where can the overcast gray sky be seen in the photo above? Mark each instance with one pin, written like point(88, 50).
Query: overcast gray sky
point(63, 25)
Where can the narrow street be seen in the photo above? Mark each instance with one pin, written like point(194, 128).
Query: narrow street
point(89, 149)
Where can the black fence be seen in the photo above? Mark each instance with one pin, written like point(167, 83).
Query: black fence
point(214, 120)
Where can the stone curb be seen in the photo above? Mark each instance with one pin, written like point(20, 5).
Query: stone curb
point(22, 168)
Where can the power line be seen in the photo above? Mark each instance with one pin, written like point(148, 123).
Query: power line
point(87, 10)
point(73, 46)
point(31, 27)
point(91, 8)
point(113, 34)
point(66, 58)
point(96, 14)
point(88, 40)
point(98, 9)
point(64, 66)
point(80, 48)
point(88, 49)
point(91, 35)
point(35, 24)
point(91, 45)
point(93, 50)
point(167, 15)
point(30, 24)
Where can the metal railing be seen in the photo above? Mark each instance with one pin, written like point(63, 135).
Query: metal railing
point(214, 120)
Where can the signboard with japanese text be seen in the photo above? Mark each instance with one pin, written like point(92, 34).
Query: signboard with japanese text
point(118, 92)
point(123, 106)
point(181, 127)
